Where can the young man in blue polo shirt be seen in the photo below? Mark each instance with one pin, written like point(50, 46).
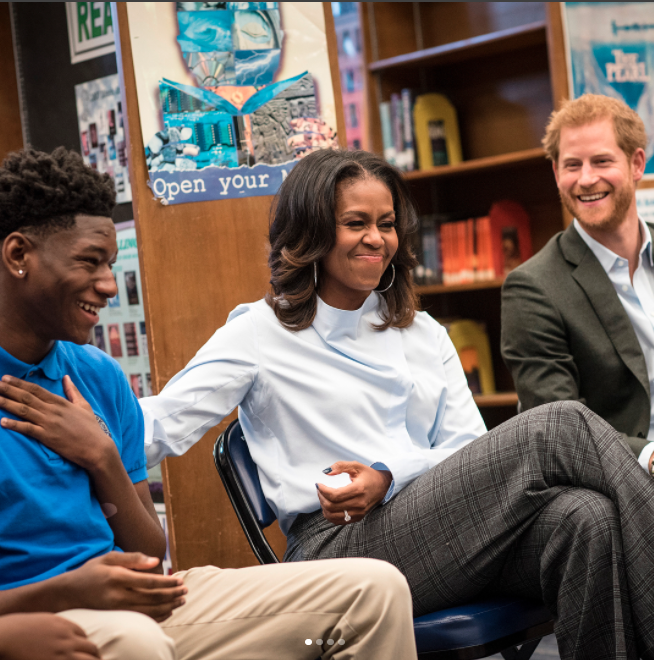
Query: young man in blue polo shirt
point(79, 536)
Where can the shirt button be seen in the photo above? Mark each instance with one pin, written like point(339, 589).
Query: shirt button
point(625, 287)
point(620, 263)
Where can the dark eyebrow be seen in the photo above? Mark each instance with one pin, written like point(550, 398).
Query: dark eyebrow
point(98, 250)
point(363, 213)
point(93, 248)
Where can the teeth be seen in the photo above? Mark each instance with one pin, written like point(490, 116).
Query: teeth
point(592, 198)
point(88, 308)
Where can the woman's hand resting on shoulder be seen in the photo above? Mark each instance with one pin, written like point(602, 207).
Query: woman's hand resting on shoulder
point(368, 488)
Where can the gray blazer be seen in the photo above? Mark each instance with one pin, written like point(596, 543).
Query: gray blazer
point(566, 335)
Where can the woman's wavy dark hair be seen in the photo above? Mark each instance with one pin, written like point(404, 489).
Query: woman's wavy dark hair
point(44, 192)
point(303, 231)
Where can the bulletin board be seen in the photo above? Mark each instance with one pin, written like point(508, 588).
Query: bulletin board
point(47, 79)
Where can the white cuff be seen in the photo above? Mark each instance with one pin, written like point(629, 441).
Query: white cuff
point(645, 455)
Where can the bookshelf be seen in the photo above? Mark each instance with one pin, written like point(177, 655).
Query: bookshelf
point(502, 66)
point(495, 400)
point(480, 46)
point(432, 289)
point(526, 156)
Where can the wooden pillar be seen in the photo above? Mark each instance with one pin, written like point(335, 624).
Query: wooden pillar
point(198, 261)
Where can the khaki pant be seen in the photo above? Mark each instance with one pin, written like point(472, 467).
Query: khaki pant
point(341, 609)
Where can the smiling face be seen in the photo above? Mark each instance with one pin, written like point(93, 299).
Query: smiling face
point(596, 179)
point(68, 279)
point(366, 241)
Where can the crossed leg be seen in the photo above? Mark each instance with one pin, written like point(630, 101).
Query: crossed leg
point(453, 530)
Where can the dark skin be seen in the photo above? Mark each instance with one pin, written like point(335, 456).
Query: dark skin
point(43, 636)
point(46, 281)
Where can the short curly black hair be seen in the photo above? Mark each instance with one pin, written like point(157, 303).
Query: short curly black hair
point(44, 192)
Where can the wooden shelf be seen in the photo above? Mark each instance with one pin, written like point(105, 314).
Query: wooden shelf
point(501, 399)
point(481, 46)
point(431, 289)
point(478, 164)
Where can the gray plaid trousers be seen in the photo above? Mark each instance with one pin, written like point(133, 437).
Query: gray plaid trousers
point(549, 505)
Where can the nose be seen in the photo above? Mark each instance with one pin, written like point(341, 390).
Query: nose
point(373, 237)
point(106, 285)
point(588, 176)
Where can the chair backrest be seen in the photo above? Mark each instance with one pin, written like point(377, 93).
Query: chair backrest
point(241, 480)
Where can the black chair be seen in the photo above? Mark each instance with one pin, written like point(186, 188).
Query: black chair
point(510, 626)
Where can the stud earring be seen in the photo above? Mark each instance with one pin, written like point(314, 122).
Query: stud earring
point(20, 272)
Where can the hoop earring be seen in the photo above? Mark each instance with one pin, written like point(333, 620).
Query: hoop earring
point(391, 284)
point(315, 274)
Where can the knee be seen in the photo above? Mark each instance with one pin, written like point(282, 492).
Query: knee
point(380, 582)
point(136, 636)
point(593, 516)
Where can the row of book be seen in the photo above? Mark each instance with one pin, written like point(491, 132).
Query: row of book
point(419, 132)
point(397, 131)
point(474, 249)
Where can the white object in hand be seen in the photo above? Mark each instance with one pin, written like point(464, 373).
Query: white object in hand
point(337, 481)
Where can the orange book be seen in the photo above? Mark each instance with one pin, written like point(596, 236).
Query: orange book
point(484, 250)
point(460, 250)
point(471, 257)
point(456, 240)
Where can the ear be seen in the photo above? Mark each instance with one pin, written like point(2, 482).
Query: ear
point(17, 251)
point(638, 162)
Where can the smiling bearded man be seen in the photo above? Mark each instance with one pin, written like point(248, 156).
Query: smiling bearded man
point(577, 318)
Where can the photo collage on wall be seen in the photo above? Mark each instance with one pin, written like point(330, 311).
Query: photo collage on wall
point(121, 330)
point(102, 134)
point(235, 116)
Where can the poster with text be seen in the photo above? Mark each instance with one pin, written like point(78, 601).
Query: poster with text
point(120, 332)
point(90, 30)
point(231, 94)
point(610, 51)
point(101, 131)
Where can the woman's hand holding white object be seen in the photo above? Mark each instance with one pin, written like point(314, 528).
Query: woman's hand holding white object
point(368, 488)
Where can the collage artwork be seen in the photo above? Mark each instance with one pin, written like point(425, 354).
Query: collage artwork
point(236, 115)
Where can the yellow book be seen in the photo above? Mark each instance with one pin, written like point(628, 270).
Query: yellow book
point(437, 131)
point(472, 345)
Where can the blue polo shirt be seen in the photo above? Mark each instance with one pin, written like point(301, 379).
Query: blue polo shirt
point(50, 520)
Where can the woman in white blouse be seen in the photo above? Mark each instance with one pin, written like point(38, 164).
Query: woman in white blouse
point(336, 369)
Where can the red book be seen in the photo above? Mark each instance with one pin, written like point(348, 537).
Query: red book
point(471, 258)
point(485, 269)
point(510, 236)
point(460, 250)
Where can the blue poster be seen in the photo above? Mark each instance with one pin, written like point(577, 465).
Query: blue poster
point(610, 50)
point(233, 126)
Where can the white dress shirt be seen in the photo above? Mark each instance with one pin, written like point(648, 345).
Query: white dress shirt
point(339, 390)
point(638, 302)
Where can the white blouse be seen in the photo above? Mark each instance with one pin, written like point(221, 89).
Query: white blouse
point(338, 390)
